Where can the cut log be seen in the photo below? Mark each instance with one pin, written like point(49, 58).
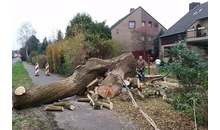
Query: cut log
point(93, 82)
point(97, 106)
point(113, 81)
point(53, 108)
point(160, 77)
point(83, 100)
point(126, 82)
point(64, 104)
point(168, 100)
point(85, 74)
point(105, 91)
point(107, 105)
point(133, 82)
point(20, 90)
point(94, 95)
point(95, 103)
point(140, 94)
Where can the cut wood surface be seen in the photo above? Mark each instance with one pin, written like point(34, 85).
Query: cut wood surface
point(105, 91)
point(83, 76)
point(53, 108)
point(20, 90)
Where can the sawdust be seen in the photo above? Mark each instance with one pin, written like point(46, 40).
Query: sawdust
point(159, 111)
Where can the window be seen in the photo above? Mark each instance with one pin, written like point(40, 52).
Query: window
point(156, 25)
point(167, 51)
point(149, 51)
point(143, 23)
point(149, 38)
point(131, 24)
point(149, 23)
point(142, 38)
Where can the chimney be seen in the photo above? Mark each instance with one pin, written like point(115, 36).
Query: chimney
point(193, 4)
point(131, 9)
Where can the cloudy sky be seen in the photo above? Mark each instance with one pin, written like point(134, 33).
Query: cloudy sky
point(49, 15)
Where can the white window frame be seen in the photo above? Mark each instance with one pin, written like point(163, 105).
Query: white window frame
point(131, 24)
point(143, 23)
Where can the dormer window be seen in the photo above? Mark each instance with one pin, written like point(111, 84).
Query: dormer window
point(197, 11)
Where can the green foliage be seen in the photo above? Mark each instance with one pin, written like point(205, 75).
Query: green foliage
point(59, 36)
point(22, 51)
point(193, 76)
point(42, 60)
point(32, 54)
point(99, 28)
point(66, 55)
point(79, 24)
point(156, 42)
point(100, 47)
point(42, 47)
point(32, 44)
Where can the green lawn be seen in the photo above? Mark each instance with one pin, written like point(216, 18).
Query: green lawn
point(20, 76)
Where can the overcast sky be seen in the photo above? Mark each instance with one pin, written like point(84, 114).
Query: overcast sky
point(47, 15)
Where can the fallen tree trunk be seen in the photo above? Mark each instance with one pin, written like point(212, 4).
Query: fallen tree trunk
point(83, 75)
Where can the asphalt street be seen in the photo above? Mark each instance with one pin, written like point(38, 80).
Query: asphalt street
point(42, 79)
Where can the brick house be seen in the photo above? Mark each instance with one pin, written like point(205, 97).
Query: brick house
point(137, 18)
point(193, 26)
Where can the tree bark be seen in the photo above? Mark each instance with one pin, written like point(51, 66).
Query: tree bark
point(65, 104)
point(85, 74)
point(53, 108)
point(83, 100)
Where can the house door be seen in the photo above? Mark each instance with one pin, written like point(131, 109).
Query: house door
point(198, 32)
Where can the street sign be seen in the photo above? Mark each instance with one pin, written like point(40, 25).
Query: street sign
point(19, 55)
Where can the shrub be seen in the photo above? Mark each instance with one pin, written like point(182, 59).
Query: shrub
point(193, 75)
point(32, 54)
point(42, 60)
point(33, 60)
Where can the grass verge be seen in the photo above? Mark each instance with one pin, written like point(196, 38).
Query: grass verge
point(29, 118)
point(20, 76)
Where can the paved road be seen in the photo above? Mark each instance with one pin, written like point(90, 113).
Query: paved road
point(83, 117)
point(41, 79)
point(15, 60)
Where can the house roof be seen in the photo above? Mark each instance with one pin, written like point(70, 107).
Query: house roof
point(119, 21)
point(186, 21)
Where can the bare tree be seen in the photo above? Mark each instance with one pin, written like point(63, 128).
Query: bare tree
point(142, 38)
point(24, 33)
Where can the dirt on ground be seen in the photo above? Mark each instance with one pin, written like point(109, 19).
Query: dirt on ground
point(34, 118)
